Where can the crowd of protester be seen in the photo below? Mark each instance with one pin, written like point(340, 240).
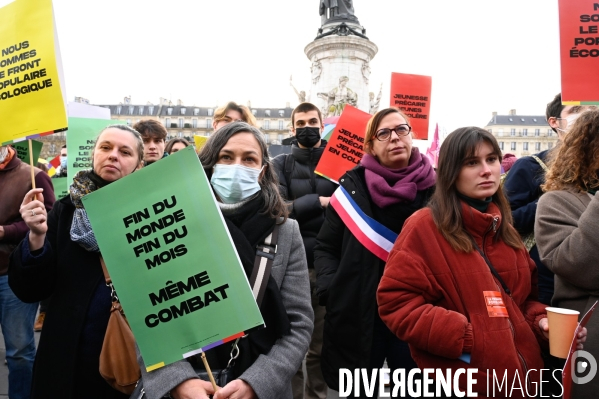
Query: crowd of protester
point(481, 221)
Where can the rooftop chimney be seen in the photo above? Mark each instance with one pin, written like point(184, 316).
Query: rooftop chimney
point(512, 112)
point(179, 102)
point(287, 105)
point(495, 113)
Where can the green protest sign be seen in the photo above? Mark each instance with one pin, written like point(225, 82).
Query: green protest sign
point(81, 139)
point(172, 260)
point(22, 148)
point(61, 187)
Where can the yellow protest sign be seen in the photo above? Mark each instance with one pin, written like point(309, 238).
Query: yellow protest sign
point(200, 141)
point(32, 97)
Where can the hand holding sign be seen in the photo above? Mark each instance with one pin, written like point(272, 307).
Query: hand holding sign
point(33, 213)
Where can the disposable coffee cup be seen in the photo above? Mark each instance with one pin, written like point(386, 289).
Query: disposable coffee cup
point(562, 326)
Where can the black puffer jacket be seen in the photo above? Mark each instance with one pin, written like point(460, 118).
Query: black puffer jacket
point(302, 186)
point(347, 277)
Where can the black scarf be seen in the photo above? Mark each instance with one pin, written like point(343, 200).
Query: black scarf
point(248, 228)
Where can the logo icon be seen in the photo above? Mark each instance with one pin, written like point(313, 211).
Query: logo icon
point(584, 367)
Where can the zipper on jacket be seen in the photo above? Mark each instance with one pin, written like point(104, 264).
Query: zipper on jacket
point(512, 329)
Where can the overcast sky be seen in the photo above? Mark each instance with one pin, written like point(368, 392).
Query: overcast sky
point(483, 56)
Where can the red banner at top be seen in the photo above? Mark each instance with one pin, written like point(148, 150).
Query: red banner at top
point(412, 94)
point(346, 145)
point(579, 51)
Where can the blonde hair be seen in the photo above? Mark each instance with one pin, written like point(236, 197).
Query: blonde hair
point(246, 115)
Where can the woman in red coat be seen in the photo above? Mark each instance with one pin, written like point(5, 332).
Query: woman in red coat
point(452, 261)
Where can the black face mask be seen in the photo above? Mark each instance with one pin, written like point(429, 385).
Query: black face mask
point(307, 136)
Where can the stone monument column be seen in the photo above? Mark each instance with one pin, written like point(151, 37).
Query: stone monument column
point(340, 55)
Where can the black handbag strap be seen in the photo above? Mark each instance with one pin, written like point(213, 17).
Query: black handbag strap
point(265, 255)
point(493, 270)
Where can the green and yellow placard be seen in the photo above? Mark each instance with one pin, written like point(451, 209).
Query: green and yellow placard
point(32, 95)
point(172, 260)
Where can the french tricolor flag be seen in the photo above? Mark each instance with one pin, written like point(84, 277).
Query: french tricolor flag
point(377, 238)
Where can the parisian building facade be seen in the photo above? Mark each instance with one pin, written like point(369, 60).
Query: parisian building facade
point(187, 121)
point(521, 135)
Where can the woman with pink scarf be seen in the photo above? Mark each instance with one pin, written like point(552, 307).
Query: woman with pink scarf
point(365, 215)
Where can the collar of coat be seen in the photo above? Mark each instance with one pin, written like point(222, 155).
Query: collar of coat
point(308, 155)
point(479, 224)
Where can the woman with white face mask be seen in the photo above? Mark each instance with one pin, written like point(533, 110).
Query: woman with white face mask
point(237, 164)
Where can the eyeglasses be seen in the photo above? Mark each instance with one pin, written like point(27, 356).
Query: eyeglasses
point(385, 134)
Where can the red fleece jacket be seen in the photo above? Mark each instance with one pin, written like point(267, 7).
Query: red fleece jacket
point(431, 296)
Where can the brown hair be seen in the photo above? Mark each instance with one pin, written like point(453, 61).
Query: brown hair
point(172, 142)
point(445, 204)
point(246, 115)
point(375, 121)
point(305, 107)
point(576, 161)
point(150, 128)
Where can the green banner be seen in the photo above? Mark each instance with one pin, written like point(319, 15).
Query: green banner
point(81, 139)
point(172, 260)
point(61, 188)
point(22, 148)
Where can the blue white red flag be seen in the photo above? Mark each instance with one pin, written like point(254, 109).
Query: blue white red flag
point(377, 238)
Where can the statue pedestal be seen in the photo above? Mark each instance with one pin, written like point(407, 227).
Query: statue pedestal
point(336, 56)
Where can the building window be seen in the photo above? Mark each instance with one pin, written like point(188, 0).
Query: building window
point(169, 111)
point(500, 132)
point(210, 112)
point(180, 134)
point(513, 146)
point(196, 111)
point(537, 146)
point(266, 125)
point(208, 123)
point(281, 113)
point(549, 146)
point(128, 122)
point(183, 111)
point(512, 132)
point(267, 112)
point(151, 109)
point(281, 125)
point(167, 122)
point(194, 123)
point(537, 132)
point(131, 107)
point(549, 132)
point(180, 122)
point(524, 146)
point(501, 145)
point(254, 112)
point(118, 109)
point(141, 109)
point(525, 132)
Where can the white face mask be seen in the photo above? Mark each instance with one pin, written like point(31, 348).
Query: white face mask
point(570, 119)
point(234, 183)
point(3, 153)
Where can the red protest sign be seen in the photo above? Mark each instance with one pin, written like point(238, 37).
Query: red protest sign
point(579, 51)
point(412, 94)
point(346, 146)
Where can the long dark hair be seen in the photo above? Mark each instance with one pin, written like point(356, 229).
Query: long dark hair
point(274, 205)
point(445, 205)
